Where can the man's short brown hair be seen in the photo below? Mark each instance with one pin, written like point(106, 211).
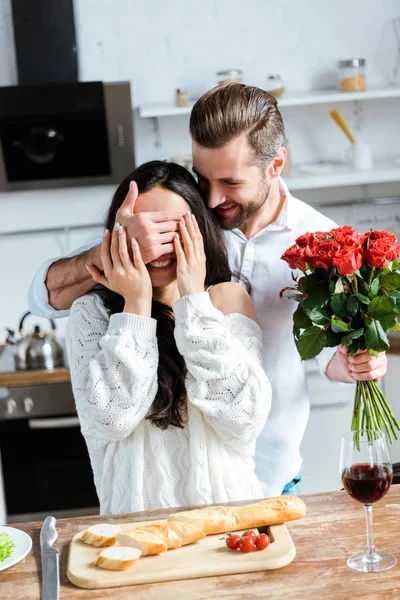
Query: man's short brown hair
point(230, 110)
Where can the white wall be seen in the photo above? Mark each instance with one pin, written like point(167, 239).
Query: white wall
point(160, 46)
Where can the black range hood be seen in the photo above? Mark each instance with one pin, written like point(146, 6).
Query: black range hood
point(54, 130)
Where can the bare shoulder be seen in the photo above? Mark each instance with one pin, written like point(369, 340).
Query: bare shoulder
point(230, 297)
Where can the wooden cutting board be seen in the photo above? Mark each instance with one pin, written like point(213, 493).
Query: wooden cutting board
point(206, 558)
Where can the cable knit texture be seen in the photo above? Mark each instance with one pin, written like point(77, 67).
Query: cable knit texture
point(137, 466)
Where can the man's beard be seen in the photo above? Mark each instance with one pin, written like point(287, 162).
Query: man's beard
point(244, 212)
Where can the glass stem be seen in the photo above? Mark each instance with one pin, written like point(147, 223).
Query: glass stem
point(370, 534)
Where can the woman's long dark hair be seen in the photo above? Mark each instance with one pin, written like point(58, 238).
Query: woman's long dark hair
point(169, 406)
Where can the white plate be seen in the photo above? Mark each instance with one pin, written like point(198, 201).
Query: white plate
point(23, 545)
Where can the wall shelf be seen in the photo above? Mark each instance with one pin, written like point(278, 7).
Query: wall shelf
point(342, 176)
point(288, 99)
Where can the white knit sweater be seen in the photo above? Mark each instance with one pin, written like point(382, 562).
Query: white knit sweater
point(138, 466)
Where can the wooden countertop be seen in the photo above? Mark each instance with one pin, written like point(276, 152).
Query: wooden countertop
point(333, 529)
point(37, 377)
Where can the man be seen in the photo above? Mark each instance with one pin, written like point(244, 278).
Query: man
point(237, 134)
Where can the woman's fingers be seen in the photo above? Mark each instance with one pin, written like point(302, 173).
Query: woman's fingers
point(105, 253)
point(137, 256)
point(199, 245)
point(123, 250)
point(180, 255)
point(186, 238)
point(97, 276)
point(117, 231)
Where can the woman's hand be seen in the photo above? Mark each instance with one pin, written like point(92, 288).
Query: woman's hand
point(361, 367)
point(128, 278)
point(190, 259)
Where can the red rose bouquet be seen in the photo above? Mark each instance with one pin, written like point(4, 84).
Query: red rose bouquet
point(349, 295)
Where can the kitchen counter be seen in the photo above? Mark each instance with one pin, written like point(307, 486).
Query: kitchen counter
point(37, 377)
point(333, 529)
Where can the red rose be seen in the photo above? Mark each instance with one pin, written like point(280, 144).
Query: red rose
point(305, 240)
point(348, 260)
point(381, 252)
point(297, 258)
point(324, 253)
point(347, 236)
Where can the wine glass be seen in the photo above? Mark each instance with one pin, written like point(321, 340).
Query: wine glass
point(367, 474)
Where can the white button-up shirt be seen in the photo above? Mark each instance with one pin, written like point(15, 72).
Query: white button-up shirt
point(258, 260)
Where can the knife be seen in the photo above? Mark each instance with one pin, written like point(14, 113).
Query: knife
point(50, 569)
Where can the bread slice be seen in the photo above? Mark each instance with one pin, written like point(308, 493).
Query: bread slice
point(101, 535)
point(118, 558)
point(143, 540)
point(188, 533)
point(165, 533)
point(213, 519)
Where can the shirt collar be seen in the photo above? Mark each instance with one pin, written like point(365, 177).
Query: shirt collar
point(287, 216)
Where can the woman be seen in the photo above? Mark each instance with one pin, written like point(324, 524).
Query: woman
point(166, 361)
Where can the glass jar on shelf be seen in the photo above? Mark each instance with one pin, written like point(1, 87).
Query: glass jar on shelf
point(181, 97)
point(274, 85)
point(229, 76)
point(352, 75)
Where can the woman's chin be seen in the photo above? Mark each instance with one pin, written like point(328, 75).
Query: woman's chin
point(162, 276)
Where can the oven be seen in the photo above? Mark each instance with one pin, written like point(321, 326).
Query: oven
point(44, 460)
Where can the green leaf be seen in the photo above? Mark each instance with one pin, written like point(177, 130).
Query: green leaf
point(373, 352)
point(347, 339)
point(309, 282)
point(317, 299)
point(387, 322)
point(311, 342)
point(332, 339)
point(396, 326)
point(375, 337)
point(380, 306)
point(390, 282)
point(338, 305)
point(300, 319)
point(363, 299)
point(374, 287)
point(394, 295)
point(396, 265)
point(340, 326)
point(352, 304)
point(354, 347)
point(320, 316)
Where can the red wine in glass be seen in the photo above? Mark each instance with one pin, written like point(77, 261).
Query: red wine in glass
point(367, 483)
point(367, 474)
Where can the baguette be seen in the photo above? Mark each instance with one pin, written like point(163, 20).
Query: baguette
point(101, 535)
point(213, 519)
point(143, 540)
point(165, 533)
point(270, 511)
point(188, 533)
point(117, 558)
point(220, 519)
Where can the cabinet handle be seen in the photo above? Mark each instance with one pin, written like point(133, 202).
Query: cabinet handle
point(339, 404)
point(60, 423)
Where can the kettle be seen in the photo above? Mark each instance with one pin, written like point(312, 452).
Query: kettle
point(36, 350)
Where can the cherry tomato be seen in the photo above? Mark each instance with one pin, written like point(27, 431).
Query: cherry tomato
point(246, 544)
point(233, 541)
point(262, 541)
point(250, 534)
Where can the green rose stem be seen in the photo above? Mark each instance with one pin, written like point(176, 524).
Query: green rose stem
point(371, 409)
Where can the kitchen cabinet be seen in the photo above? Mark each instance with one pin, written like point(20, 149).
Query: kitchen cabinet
point(331, 407)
